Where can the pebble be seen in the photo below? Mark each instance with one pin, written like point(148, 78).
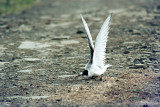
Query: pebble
point(139, 65)
point(59, 99)
point(145, 105)
point(2, 75)
point(126, 52)
point(158, 7)
point(147, 52)
point(3, 63)
point(30, 97)
point(130, 42)
point(136, 61)
point(32, 59)
point(25, 71)
point(66, 76)
point(136, 32)
point(156, 69)
point(120, 66)
point(79, 32)
point(60, 37)
point(132, 67)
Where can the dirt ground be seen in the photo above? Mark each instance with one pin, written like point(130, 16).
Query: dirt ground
point(43, 48)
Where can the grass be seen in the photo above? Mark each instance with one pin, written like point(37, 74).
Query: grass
point(13, 6)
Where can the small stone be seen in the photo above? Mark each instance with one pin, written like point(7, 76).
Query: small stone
point(157, 17)
point(79, 32)
point(136, 61)
point(120, 66)
point(60, 37)
point(143, 47)
point(32, 59)
point(156, 69)
point(117, 80)
point(66, 76)
point(126, 52)
point(145, 105)
point(153, 32)
point(145, 66)
point(132, 67)
point(25, 71)
point(158, 7)
point(139, 65)
point(136, 32)
point(59, 99)
point(4, 26)
point(147, 52)
point(3, 63)
point(130, 42)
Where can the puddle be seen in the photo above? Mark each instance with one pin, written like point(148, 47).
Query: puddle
point(31, 97)
point(67, 42)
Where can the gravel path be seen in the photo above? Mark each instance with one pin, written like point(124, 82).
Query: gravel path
point(43, 48)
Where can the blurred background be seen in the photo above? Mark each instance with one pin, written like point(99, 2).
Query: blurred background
point(13, 6)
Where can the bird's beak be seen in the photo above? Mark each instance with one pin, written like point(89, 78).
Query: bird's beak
point(78, 76)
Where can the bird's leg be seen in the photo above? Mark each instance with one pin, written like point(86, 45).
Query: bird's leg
point(101, 78)
point(94, 77)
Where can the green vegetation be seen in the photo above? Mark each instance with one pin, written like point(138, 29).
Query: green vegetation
point(13, 6)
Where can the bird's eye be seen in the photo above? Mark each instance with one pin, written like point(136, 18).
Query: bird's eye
point(85, 72)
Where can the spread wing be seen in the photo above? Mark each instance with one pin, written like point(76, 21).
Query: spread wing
point(100, 44)
point(90, 42)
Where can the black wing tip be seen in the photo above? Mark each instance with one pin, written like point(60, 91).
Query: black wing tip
point(111, 14)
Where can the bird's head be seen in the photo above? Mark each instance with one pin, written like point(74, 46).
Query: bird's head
point(84, 73)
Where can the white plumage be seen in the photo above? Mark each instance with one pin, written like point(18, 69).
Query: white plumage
point(96, 65)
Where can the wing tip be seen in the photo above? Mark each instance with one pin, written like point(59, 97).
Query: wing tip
point(111, 14)
point(81, 17)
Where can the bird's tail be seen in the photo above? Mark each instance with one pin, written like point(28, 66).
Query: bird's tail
point(107, 66)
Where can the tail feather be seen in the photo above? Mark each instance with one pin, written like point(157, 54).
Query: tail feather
point(107, 66)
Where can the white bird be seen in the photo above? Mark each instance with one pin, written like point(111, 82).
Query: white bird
point(96, 64)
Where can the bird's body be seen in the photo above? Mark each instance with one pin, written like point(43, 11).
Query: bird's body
point(94, 70)
point(96, 65)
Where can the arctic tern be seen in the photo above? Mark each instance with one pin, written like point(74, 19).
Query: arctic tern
point(96, 65)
